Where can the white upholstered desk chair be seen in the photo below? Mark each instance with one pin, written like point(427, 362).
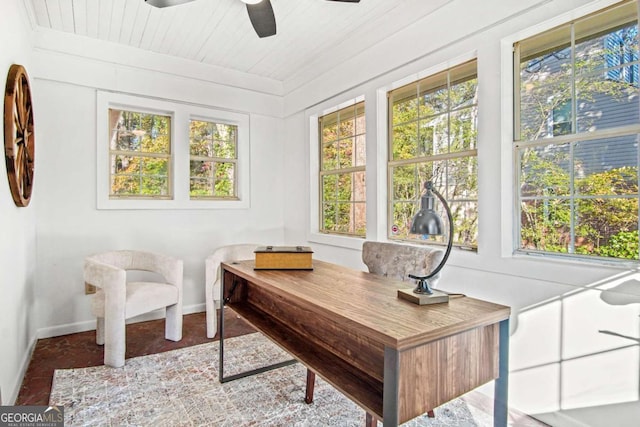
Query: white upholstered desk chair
point(117, 300)
point(238, 252)
point(397, 261)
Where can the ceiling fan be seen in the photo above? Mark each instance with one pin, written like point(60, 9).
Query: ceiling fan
point(260, 13)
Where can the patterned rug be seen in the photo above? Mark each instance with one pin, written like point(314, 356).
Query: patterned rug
point(181, 388)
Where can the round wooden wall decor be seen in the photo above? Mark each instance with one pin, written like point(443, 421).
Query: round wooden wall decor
point(19, 140)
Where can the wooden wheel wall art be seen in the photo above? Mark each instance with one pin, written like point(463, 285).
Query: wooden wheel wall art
point(19, 139)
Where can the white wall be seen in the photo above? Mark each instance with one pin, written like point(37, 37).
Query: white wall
point(17, 230)
point(575, 327)
point(69, 227)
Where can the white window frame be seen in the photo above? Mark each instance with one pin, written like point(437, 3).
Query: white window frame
point(345, 241)
point(510, 223)
point(389, 164)
point(181, 114)
point(352, 170)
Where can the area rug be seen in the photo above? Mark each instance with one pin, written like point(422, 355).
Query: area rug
point(181, 388)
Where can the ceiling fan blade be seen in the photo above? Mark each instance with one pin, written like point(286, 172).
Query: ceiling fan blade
point(166, 3)
point(347, 1)
point(262, 18)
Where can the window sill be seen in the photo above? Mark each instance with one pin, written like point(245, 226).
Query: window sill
point(335, 240)
point(134, 204)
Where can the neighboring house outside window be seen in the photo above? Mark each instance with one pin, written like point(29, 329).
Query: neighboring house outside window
point(577, 123)
point(140, 155)
point(433, 137)
point(213, 160)
point(342, 136)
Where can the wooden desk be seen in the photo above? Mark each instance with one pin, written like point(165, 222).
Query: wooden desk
point(395, 359)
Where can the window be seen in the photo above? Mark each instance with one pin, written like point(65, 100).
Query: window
point(433, 137)
point(342, 171)
point(578, 178)
point(212, 148)
point(158, 154)
point(140, 154)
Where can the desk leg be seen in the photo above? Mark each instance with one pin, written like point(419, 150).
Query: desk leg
point(221, 325)
point(245, 374)
point(501, 393)
point(391, 386)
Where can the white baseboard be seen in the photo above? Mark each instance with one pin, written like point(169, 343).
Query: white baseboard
point(17, 382)
point(90, 325)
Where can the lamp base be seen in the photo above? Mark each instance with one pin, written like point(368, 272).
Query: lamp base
point(423, 299)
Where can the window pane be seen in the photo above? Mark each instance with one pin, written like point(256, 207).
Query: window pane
point(200, 138)
point(405, 183)
point(201, 169)
point(343, 146)
point(434, 136)
point(225, 178)
point(154, 186)
point(212, 178)
point(605, 103)
point(545, 171)
point(404, 105)
point(199, 187)
point(544, 225)
point(360, 218)
point(345, 188)
point(346, 152)
point(344, 218)
point(462, 182)
point(402, 214)
point(224, 149)
point(464, 125)
point(361, 123)
point(330, 156)
point(607, 227)
point(463, 93)
point(607, 39)
point(405, 141)
point(347, 126)
point(329, 127)
point(125, 164)
point(224, 132)
point(538, 104)
point(123, 185)
point(465, 222)
point(157, 167)
point(434, 95)
point(360, 150)
point(329, 217)
point(359, 187)
point(329, 187)
point(607, 166)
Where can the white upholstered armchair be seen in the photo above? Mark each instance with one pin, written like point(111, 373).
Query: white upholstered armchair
point(117, 299)
point(242, 251)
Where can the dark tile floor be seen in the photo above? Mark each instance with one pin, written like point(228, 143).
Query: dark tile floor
point(80, 350)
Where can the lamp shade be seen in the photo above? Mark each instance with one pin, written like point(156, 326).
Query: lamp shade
point(427, 221)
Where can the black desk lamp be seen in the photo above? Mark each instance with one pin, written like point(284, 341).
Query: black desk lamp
point(427, 221)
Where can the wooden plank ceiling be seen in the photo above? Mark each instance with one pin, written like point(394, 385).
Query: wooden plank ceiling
point(313, 35)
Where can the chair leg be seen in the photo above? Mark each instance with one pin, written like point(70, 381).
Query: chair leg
point(173, 323)
point(114, 341)
point(311, 382)
point(370, 420)
point(100, 330)
point(212, 318)
point(431, 414)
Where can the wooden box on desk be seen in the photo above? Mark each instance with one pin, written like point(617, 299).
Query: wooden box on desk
point(284, 258)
